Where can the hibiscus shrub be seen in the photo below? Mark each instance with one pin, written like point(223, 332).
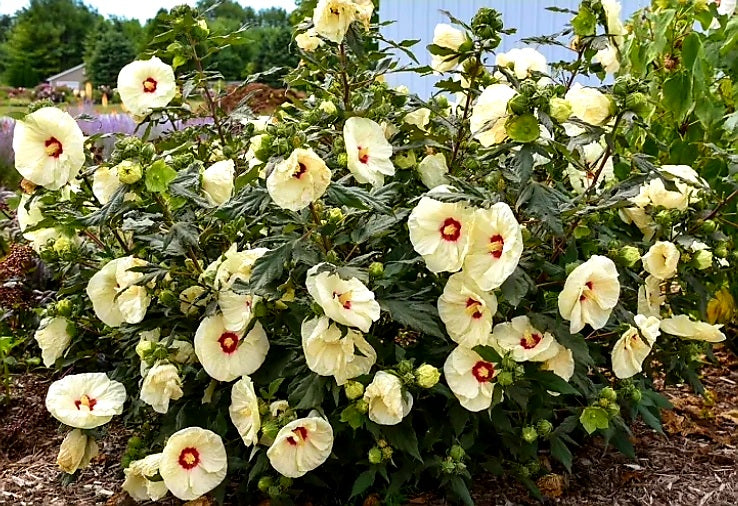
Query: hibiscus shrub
point(369, 291)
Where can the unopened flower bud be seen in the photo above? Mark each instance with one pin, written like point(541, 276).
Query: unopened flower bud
point(264, 483)
point(427, 376)
point(544, 427)
point(456, 452)
point(64, 307)
point(509, 363)
point(387, 452)
point(376, 269)
point(708, 226)
point(702, 259)
point(353, 389)
point(332, 257)
point(144, 347)
point(609, 393)
point(327, 107)
point(448, 466)
point(375, 455)
point(342, 159)
point(362, 406)
point(519, 104)
point(530, 434)
point(560, 109)
point(721, 251)
point(636, 395)
point(62, 245)
point(613, 409)
point(335, 215)
point(637, 102)
point(505, 378)
point(270, 429)
point(628, 256)
point(129, 172)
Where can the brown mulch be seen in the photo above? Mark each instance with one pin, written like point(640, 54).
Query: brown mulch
point(694, 464)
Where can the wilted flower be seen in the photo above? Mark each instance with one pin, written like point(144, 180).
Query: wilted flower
point(368, 151)
point(466, 310)
point(524, 341)
point(105, 183)
point(590, 293)
point(650, 298)
point(146, 84)
point(388, 403)
point(609, 58)
point(217, 182)
point(418, 117)
point(721, 308)
point(634, 346)
point(53, 338)
point(683, 326)
point(49, 147)
point(299, 180)
point(662, 260)
point(244, 410)
point(161, 384)
point(490, 113)
point(193, 462)
point(301, 446)
point(86, 400)
point(562, 363)
point(589, 104)
point(139, 479)
point(470, 378)
point(447, 37)
point(115, 296)
point(76, 451)
point(433, 170)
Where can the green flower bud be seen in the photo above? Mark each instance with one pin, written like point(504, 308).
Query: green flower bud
point(270, 429)
point(638, 103)
point(64, 307)
point(613, 409)
point(628, 256)
point(702, 259)
point(663, 218)
point(335, 215)
point(338, 144)
point(404, 367)
point(274, 491)
point(342, 159)
point(406, 159)
point(376, 269)
point(508, 363)
point(285, 482)
point(328, 107)
point(332, 257)
point(636, 395)
point(708, 227)
point(169, 298)
point(362, 406)
point(560, 109)
point(721, 251)
point(533, 467)
point(582, 231)
point(264, 483)
point(148, 151)
point(144, 347)
point(129, 172)
point(353, 389)
point(382, 443)
point(603, 402)
point(505, 378)
point(544, 427)
point(456, 452)
point(519, 104)
point(387, 453)
point(427, 376)
point(63, 245)
point(609, 393)
point(530, 434)
point(448, 466)
point(375, 455)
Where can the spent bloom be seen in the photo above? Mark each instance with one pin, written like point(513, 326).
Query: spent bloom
point(139, 481)
point(683, 326)
point(388, 402)
point(662, 260)
point(161, 384)
point(53, 338)
point(634, 346)
point(244, 410)
point(76, 451)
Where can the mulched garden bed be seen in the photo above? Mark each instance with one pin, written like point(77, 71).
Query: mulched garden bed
point(694, 464)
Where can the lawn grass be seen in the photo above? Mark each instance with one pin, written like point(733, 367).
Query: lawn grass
point(15, 108)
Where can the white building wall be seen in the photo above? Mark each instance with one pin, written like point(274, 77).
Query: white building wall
point(416, 19)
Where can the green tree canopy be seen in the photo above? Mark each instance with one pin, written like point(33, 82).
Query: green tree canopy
point(112, 51)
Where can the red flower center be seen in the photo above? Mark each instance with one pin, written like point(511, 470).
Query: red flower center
point(189, 458)
point(301, 433)
point(363, 155)
point(450, 230)
point(472, 307)
point(228, 342)
point(53, 147)
point(531, 341)
point(85, 400)
point(590, 287)
point(483, 371)
point(301, 169)
point(344, 299)
point(496, 244)
point(149, 85)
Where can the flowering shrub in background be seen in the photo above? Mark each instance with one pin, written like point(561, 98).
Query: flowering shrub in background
point(367, 290)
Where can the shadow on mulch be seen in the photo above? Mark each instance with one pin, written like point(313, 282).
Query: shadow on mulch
point(694, 464)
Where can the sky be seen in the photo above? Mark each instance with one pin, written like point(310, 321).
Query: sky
point(144, 9)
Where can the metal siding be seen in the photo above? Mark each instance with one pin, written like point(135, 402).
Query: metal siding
point(416, 19)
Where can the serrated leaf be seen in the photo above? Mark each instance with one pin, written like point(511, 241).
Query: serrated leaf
point(270, 267)
point(158, 177)
point(416, 314)
point(307, 392)
point(363, 482)
point(561, 452)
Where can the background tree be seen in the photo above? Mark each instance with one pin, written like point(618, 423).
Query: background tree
point(111, 53)
point(6, 22)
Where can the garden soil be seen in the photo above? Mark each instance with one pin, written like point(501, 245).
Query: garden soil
point(695, 463)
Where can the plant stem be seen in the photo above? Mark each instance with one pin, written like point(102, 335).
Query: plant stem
point(461, 133)
point(316, 219)
point(206, 90)
point(191, 253)
point(344, 78)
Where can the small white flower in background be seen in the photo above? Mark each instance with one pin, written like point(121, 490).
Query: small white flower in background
point(662, 260)
point(650, 298)
point(31, 216)
point(418, 117)
point(328, 353)
point(49, 147)
point(244, 410)
point(161, 384)
point(688, 184)
point(634, 346)
point(614, 24)
point(388, 403)
point(217, 182)
point(640, 218)
point(276, 408)
point(76, 451)
point(448, 37)
point(495, 247)
point(591, 156)
point(364, 11)
point(724, 8)
point(53, 338)
point(368, 151)
point(224, 354)
point(254, 147)
point(524, 341)
point(433, 170)
point(466, 310)
point(346, 301)
point(115, 298)
point(589, 104)
point(561, 364)
point(609, 58)
point(490, 113)
point(146, 84)
point(332, 18)
point(301, 446)
point(193, 462)
point(308, 40)
point(105, 183)
point(523, 61)
point(470, 378)
point(86, 400)
point(138, 482)
point(299, 180)
point(683, 326)
point(590, 293)
point(441, 232)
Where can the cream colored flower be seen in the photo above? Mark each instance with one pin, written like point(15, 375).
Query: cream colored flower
point(146, 84)
point(368, 151)
point(650, 298)
point(524, 341)
point(308, 40)
point(682, 326)
point(634, 346)
point(76, 451)
point(301, 446)
point(105, 183)
point(589, 104)
point(448, 37)
point(217, 182)
point(688, 184)
point(495, 247)
point(328, 353)
point(346, 301)
point(192, 300)
point(86, 400)
point(609, 58)
point(388, 403)
point(224, 354)
point(662, 260)
point(53, 338)
point(49, 147)
point(466, 310)
point(244, 410)
point(490, 113)
point(115, 298)
point(523, 62)
point(433, 170)
point(193, 463)
point(724, 8)
point(614, 24)
point(441, 233)
point(590, 293)
point(418, 117)
point(30, 215)
point(591, 156)
point(561, 364)
point(332, 18)
point(138, 482)
point(470, 378)
point(161, 384)
point(299, 180)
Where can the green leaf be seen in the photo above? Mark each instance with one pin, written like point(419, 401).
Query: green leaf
point(352, 416)
point(552, 382)
point(403, 438)
point(270, 267)
point(363, 482)
point(593, 418)
point(158, 177)
point(355, 197)
point(585, 22)
point(376, 226)
point(461, 491)
point(677, 92)
point(517, 286)
point(561, 452)
point(307, 392)
point(416, 314)
point(488, 353)
point(542, 202)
